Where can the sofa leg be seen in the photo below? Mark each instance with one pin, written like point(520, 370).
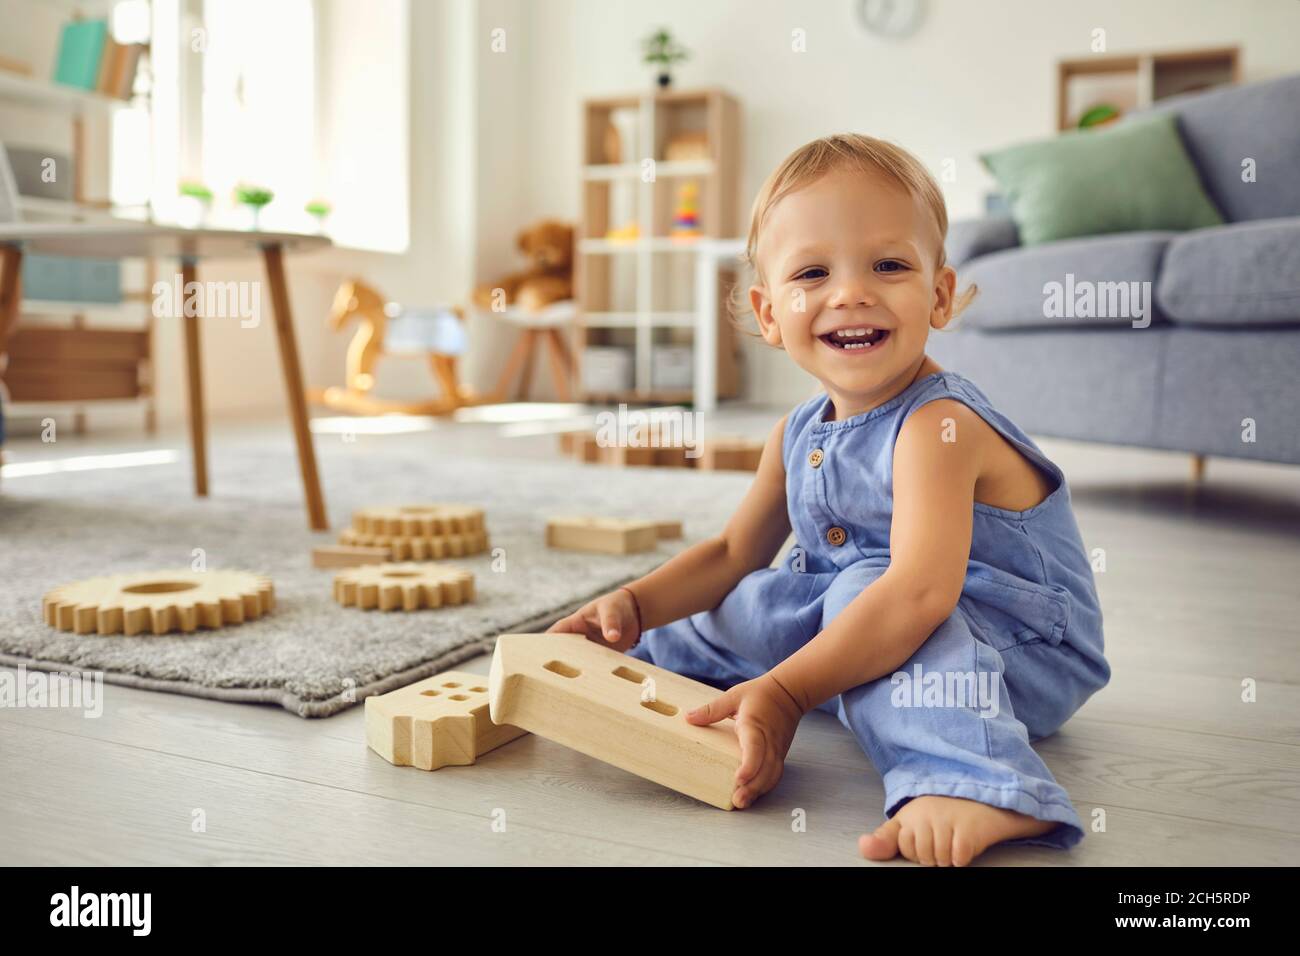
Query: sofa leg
point(1198, 468)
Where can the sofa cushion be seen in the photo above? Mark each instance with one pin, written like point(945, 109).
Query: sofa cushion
point(969, 238)
point(1225, 128)
point(1082, 283)
point(1129, 177)
point(1243, 274)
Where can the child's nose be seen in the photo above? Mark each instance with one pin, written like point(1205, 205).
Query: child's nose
point(851, 291)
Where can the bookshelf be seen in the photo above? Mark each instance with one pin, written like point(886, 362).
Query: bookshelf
point(77, 352)
point(1134, 81)
point(635, 271)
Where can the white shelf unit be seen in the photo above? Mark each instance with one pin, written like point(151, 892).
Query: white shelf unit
point(80, 107)
point(621, 281)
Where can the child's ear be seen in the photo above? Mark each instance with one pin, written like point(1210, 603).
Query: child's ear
point(945, 287)
point(762, 306)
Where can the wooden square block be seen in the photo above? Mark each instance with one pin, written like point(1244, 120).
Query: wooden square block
point(603, 535)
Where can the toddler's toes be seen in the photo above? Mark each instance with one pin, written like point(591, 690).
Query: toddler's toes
point(943, 838)
point(963, 848)
point(924, 843)
point(882, 844)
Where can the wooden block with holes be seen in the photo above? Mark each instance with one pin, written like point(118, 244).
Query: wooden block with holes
point(615, 708)
point(346, 556)
point(438, 722)
point(602, 535)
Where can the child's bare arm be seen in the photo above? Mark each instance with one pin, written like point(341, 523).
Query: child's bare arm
point(702, 575)
point(930, 538)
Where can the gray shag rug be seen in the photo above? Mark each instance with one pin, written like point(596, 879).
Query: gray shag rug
point(310, 655)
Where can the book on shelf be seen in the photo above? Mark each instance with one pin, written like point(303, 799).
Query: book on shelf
point(90, 59)
point(81, 52)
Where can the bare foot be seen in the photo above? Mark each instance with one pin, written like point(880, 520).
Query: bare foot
point(947, 831)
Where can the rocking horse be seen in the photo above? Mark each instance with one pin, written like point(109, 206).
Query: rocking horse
point(387, 329)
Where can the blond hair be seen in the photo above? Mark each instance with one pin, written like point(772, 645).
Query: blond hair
point(866, 154)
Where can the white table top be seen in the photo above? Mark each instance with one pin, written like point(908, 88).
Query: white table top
point(126, 240)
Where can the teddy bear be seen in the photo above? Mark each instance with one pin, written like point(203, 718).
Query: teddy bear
point(549, 247)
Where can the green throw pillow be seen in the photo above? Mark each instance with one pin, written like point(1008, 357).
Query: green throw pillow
point(1131, 176)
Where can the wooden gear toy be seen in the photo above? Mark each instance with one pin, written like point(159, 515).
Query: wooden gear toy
point(404, 587)
point(158, 602)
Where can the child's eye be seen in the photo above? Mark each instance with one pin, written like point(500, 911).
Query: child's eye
point(816, 272)
point(890, 265)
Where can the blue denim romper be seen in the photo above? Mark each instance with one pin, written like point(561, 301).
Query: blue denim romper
point(1026, 629)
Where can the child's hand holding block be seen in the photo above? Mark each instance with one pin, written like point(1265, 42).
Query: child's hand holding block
point(435, 722)
point(615, 708)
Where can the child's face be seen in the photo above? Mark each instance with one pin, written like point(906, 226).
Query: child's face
point(850, 287)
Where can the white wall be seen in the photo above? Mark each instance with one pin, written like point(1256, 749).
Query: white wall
point(976, 75)
point(494, 139)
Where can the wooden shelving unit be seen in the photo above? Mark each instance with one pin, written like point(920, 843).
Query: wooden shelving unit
point(638, 293)
point(1136, 80)
point(75, 363)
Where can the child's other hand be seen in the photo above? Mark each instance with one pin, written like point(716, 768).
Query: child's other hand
point(766, 719)
point(611, 620)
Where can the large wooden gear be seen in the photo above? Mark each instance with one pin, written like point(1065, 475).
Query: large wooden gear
point(419, 532)
point(158, 602)
point(403, 586)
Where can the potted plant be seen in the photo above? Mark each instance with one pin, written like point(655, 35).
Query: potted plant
point(197, 199)
point(319, 210)
point(661, 51)
point(254, 197)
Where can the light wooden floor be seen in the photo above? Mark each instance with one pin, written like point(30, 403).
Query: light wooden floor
point(1200, 593)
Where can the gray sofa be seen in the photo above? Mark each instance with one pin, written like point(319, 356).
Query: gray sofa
point(1219, 363)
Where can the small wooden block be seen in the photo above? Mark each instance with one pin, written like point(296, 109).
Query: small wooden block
point(623, 456)
point(674, 456)
point(731, 454)
point(437, 722)
point(346, 556)
point(603, 535)
point(595, 700)
point(668, 529)
point(581, 445)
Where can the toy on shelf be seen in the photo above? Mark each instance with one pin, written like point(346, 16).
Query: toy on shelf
point(540, 301)
point(627, 232)
point(608, 535)
point(686, 217)
point(437, 722)
point(403, 587)
point(158, 602)
point(615, 708)
point(385, 328)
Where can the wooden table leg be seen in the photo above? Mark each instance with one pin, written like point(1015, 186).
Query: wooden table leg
point(274, 257)
point(194, 376)
point(11, 270)
point(519, 355)
point(559, 364)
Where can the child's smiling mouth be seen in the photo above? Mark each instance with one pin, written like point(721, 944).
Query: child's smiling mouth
point(860, 338)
